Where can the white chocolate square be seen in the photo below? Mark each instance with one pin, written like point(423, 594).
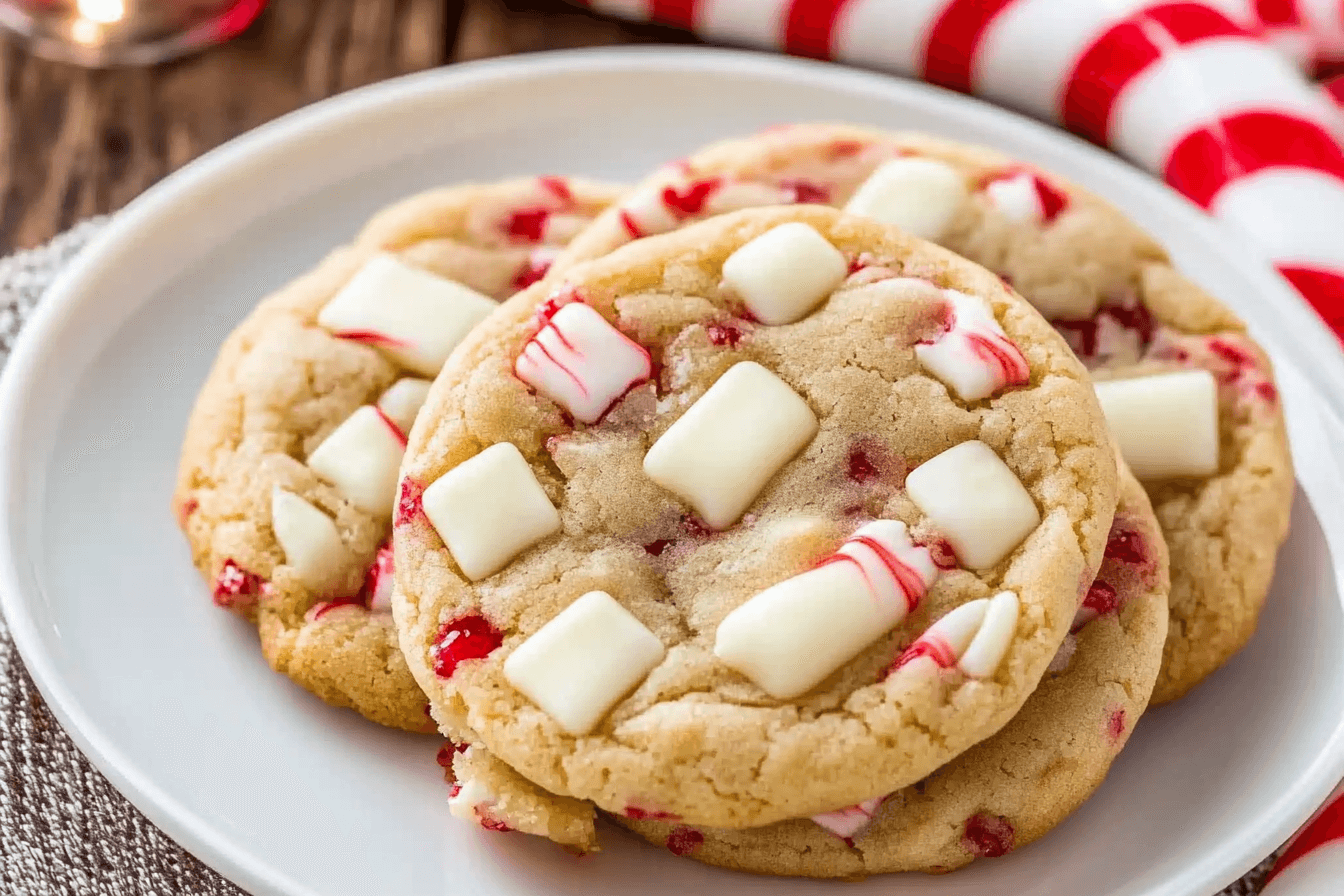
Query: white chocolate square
point(489, 509)
point(360, 458)
point(1166, 425)
point(309, 538)
point(402, 401)
point(974, 357)
point(974, 500)
point(920, 196)
point(412, 316)
point(793, 635)
point(580, 664)
point(785, 272)
point(720, 454)
point(582, 363)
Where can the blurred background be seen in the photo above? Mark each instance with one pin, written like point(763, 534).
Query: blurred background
point(78, 141)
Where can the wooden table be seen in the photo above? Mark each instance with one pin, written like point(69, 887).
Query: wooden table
point(75, 143)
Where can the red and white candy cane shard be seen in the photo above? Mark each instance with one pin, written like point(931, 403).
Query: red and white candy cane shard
point(378, 582)
point(1025, 197)
point(973, 355)
point(972, 638)
point(855, 596)
point(896, 571)
point(849, 822)
point(581, 362)
point(1152, 80)
point(1313, 864)
point(661, 208)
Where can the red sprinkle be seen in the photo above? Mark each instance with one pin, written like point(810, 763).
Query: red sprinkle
point(988, 836)
point(842, 149)
point(651, 814)
point(1233, 354)
point(723, 334)
point(657, 546)
point(1115, 724)
point(527, 224)
point(692, 198)
point(1267, 391)
point(235, 587)
point(188, 507)
point(683, 840)
point(530, 272)
point(861, 467)
point(557, 186)
point(448, 751)
point(943, 554)
point(410, 502)
point(490, 823)
point(1101, 598)
point(807, 192)
point(467, 638)
point(1126, 545)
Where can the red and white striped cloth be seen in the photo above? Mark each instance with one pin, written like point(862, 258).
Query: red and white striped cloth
point(1208, 95)
point(1195, 92)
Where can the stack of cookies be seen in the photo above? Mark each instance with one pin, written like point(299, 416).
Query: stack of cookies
point(834, 502)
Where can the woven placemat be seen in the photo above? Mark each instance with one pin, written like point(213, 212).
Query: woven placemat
point(64, 830)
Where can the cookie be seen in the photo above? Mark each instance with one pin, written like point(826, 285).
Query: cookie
point(1012, 788)
point(655, 552)
point(1210, 446)
point(288, 469)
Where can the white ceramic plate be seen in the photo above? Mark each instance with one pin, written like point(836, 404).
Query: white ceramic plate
point(170, 697)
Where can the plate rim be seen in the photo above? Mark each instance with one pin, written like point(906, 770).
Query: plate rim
point(53, 315)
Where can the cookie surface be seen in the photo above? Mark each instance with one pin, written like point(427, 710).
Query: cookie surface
point(515, 512)
point(304, 553)
point(1107, 286)
point(1014, 787)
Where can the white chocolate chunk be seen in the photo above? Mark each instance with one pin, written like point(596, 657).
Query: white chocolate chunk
point(309, 538)
point(489, 509)
point(974, 357)
point(1167, 425)
point(972, 497)
point(791, 636)
point(785, 272)
point(580, 664)
point(920, 196)
point(360, 458)
point(729, 444)
point(986, 650)
point(414, 317)
point(402, 401)
point(847, 823)
point(1016, 198)
point(470, 798)
point(582, 363)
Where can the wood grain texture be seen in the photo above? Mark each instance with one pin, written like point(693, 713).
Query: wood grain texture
point(74, 143)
